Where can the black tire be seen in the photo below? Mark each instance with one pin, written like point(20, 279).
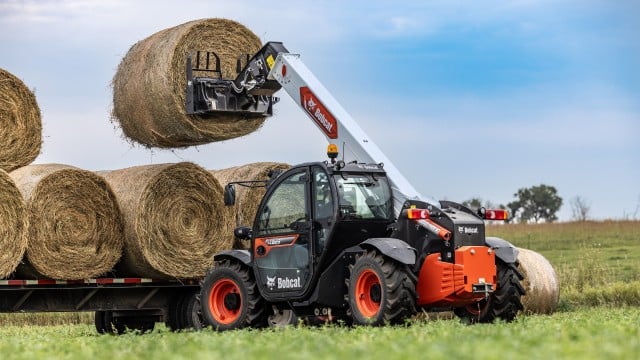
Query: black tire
point(381, 290)
point(174, 320)
point(184, 312)
point(190, 314)
point(504, 303)
point(230, 298)
point(99, 321)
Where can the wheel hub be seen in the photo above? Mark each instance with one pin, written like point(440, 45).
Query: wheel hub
point(376, 293)
point(232, 301)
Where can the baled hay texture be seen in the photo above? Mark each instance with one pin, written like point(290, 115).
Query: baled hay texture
point(150, 85)
point(75, 226)
point(247, 199)
point(13, 226)
point(173, 219)
point(20, 124)
point(542, 288)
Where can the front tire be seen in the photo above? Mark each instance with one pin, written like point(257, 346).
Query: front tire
point(381, 290)
point(504, 303)
point(230, 297)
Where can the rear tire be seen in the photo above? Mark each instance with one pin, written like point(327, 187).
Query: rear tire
point(381, 290)
point(504, 303)
point(230, 298)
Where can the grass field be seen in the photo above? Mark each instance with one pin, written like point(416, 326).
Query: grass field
point(598, 264)
point(596, 333)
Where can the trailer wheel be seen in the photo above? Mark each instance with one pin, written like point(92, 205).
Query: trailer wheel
point(184, 312)
point(230, 297)
point(99, 321)
point(190, 313)
point(504, 303)
point(174, 319)
point(381, 290)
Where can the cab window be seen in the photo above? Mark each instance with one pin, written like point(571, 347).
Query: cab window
point(364, 196)
point(286, 205)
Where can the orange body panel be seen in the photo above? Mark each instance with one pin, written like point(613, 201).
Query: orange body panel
point(451, 284)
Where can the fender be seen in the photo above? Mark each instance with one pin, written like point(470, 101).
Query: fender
point(504, 250)
point(242, 256)
point(393, 248)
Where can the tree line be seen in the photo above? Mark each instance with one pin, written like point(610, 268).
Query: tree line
point(535, 204)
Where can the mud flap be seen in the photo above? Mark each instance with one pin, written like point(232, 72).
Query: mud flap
point(504, 250)
point(393, 248)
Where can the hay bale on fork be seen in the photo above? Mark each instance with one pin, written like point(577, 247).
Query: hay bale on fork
point(247, 198)
point(13, 226)
point(20, 123)
point(75, 226)
point(172, 218)
point(150, 84)
point(541, 284)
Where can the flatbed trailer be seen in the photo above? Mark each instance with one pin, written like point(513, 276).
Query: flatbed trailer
point(118, 303)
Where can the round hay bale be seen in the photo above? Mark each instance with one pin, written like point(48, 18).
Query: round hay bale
point(13, 226)
point(150, 84)
point(75, 227)
point(21, 134)
point(247, 198)
point(542, 288)
point(173, 219)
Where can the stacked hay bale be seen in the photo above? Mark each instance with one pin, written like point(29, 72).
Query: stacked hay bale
point(13, 226)
point(247, 198)
point(172, 218)
point(542, 288)
point(75, 227)
point(20, 124)
point(149, 85)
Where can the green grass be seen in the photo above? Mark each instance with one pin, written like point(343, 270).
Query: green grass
point(594, 333)
point(596, 262)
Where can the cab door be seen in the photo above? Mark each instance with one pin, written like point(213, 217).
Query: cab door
point(282, 238)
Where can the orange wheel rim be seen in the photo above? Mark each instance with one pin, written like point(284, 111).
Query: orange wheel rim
point(225, 301)
point(368, 304)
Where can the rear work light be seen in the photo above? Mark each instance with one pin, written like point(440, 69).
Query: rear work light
point(493, 214)
point(417, 214)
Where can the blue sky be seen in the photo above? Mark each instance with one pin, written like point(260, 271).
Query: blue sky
point(467, 98)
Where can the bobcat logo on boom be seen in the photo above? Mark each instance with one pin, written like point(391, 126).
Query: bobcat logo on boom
point(319, 113)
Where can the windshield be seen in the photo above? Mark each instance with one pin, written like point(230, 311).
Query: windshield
point(364, 196)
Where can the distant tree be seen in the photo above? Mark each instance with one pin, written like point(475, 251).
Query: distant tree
point(473, 203)
point(580, 208)
point(536, 203)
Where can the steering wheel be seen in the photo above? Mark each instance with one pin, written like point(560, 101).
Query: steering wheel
point(296, 224)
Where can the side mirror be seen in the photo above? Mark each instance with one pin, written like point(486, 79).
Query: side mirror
point(229, 195)
point(242, 233)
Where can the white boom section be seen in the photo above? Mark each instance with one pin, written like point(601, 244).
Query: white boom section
point(337, 125)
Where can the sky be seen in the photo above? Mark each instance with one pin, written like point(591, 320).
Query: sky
point(466, 98)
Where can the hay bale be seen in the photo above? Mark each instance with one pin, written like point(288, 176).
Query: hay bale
point(21, 133)
point(172, 218)
point(13, 226)
point(540, 283)
point(150, 83)
point(75, 226)
point(247, 199)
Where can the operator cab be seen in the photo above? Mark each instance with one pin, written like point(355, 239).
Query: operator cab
point(293, 234)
